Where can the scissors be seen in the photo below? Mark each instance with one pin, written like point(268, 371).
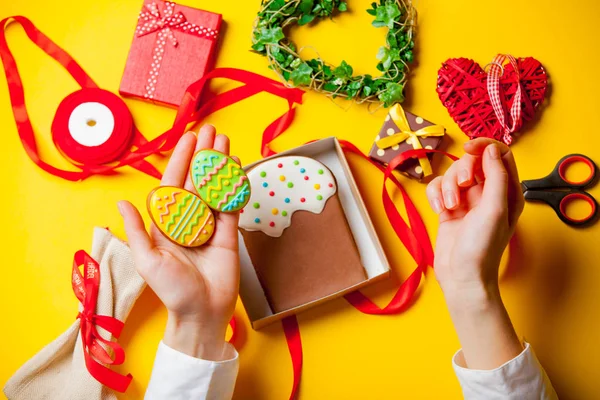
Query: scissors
point(558, 191)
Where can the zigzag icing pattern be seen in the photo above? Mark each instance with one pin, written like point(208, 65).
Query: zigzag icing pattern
point(210, 174)
point(162, 215)
point(194, 223)
point(237, 200)
point(187, 216)
point(207, 165)
point(200, 230)
point(178, 212)
point(232, 192)
point(221, 178)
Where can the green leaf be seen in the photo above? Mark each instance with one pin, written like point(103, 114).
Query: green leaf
point(258, 47)
point(327, 71)
point(392, 94)
point(386, 15)
point(367, 91)
point(343, 72)
point(391, 40)
point(371, 11)
point(388, 56)
point(301, 76)
point(305, 19)
point(343, 6)
point(276, 5)
point(306, 6)
point(269, 35)
point(330, 87)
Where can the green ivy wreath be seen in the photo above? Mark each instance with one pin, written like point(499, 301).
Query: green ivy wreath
point(399, 16)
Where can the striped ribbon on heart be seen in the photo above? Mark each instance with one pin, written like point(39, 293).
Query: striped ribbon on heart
point(494, 91)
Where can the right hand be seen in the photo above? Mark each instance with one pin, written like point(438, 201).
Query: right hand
point(479, 201)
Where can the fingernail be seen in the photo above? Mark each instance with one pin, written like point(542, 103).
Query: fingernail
point(450, 199)
point(436, 204)
point(192, 132)
point(494, 152)
point(120, 207)
point(463, 176)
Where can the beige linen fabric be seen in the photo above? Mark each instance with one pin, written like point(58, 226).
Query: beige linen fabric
point(58, 371)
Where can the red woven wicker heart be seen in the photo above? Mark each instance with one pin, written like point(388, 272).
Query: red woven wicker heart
point(462, 88)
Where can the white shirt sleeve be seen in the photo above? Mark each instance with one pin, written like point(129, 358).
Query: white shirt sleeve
point(521, 378)
point(177, 376)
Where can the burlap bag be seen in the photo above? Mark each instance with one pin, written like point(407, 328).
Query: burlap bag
point(58, 371)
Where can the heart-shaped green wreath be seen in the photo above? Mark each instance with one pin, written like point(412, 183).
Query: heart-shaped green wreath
point(399, 16)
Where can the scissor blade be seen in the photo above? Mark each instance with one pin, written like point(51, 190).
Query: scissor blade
point(524, 187)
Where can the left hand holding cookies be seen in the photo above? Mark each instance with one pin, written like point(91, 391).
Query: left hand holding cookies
point(198, 286)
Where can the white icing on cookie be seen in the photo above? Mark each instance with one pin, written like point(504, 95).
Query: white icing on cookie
point(282, 186)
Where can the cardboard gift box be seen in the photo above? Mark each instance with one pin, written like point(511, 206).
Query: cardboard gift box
point(402, 131)
point(173, 46)
point(347, 207)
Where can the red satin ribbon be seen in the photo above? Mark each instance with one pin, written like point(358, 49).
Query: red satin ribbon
point(125, 131)
point(86, 288)
point(188, 112)
point(414, 237)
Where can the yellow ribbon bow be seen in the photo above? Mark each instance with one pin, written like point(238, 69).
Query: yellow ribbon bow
point(399, 117)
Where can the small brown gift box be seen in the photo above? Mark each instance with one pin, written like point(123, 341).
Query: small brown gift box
point(396, 123)
point(352, 224)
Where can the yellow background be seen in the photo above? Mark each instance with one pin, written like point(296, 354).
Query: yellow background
point(551, 289)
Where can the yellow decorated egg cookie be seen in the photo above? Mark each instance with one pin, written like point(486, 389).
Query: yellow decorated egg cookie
point(181, 216)
point(220, 181)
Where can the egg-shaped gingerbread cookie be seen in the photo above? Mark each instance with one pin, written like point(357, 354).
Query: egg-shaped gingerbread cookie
point(181, 216)
point(220, 181)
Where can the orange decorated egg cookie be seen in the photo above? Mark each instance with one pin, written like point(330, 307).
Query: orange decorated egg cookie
point(181, 216)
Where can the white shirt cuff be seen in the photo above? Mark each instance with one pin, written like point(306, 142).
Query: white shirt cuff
point(178, 376)
point(521, 378)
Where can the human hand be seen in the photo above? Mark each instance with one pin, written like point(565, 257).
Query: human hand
point(479, 201)
point(198, 286)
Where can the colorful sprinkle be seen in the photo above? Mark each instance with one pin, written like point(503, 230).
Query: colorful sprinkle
point(320, 172)
point(263, 174)
point(302, 170)
point(317, 186)
point(319, 197)
point(204, 232)
point(265, 184)
point(331, 185)
point(271, 193)
point(282, 178)
point(256, 205)
point(271, 224)
point(284, 213)
point(274, 211)
point(215, 195)
point(306, 178)
point(210, 222)
point(290, 185)
point(226, 183)
point(296, 162)
point(236, 173)
point(280, 165)
point(302, 200)
point(242, 211)
point(287, 200)
point(257, 220)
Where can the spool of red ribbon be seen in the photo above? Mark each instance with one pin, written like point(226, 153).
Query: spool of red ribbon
point(92, 126)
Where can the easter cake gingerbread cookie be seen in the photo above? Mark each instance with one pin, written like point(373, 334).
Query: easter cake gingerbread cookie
point(296, 233)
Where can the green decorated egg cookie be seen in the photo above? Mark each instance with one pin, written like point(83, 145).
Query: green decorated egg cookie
point(220, 181)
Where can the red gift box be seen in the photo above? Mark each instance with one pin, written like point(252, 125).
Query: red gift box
point(173, 47)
